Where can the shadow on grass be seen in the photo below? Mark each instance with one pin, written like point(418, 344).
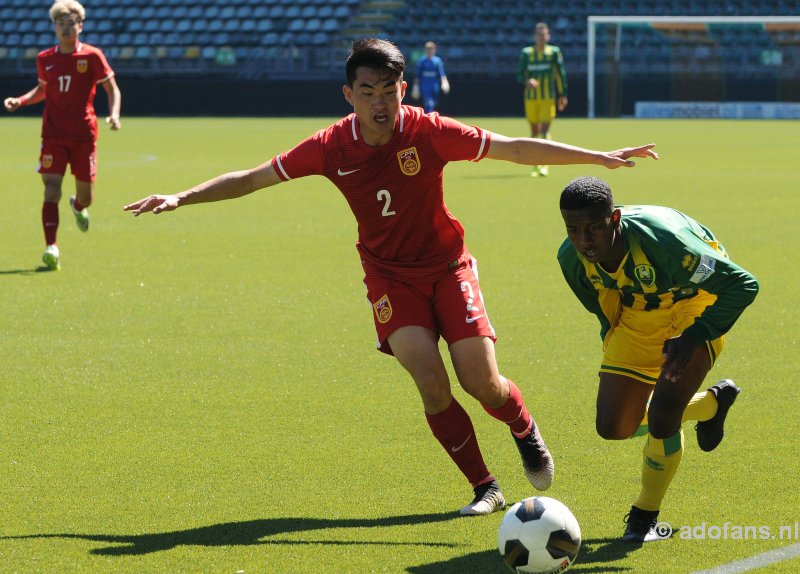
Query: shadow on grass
point(34, 271)
point(595, 553)
point(486, 562)
point(246, 533)
point(593, 557)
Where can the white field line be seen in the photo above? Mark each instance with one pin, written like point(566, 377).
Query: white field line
point(757, 561)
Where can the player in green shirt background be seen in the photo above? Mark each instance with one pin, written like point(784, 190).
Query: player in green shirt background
point(665, 293)
point(541, 71)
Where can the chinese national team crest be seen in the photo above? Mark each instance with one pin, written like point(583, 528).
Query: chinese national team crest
point(645, 274)
point(83, 65)
point(383, 309)
point(409, 161)
point(47, 161)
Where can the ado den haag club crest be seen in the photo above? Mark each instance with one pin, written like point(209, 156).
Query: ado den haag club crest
point(409, 161)
point(645, 274)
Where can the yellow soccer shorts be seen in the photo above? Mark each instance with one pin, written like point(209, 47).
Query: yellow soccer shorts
point(633, 347)
point(540, 111)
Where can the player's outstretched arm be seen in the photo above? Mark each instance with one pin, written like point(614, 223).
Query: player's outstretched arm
point(618, 158)
point(227, 186)
point(530, 151)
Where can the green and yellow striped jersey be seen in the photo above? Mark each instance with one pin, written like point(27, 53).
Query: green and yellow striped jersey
point(547, 67)
point(670, 257)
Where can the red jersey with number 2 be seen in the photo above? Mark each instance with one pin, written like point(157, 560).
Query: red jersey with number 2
point(405, 230)
point(70, 81)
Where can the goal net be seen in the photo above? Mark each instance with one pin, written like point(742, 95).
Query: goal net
point(701, 66)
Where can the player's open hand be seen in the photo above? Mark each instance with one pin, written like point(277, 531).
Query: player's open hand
point(678, 351)
point(154, 203)
point(620, 157)
point(114, 122)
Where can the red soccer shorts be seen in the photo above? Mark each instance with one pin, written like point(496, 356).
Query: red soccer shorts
point(451, 307)
point(57, 153)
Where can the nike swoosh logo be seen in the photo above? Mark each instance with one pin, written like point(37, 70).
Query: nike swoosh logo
point(340, 172)
point(49, 67)
point(473, 319)
point(462, 445)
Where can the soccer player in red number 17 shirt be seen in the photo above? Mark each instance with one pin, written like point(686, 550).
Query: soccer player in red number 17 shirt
point(68, 76)
point(387, 160)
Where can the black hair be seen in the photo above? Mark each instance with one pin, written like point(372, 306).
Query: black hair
point(380, 55)
point(587, 192)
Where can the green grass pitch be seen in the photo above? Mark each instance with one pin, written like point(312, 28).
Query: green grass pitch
point(199, 391)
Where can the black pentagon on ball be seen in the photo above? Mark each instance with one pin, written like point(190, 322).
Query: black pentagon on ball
point(562, 545)
point(515, 554)
point(530, 509)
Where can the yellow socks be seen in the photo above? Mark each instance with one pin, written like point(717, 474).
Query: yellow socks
point(701, 407)
point(661, 458)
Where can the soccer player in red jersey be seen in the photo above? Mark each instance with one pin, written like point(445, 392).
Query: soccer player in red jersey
point(68, 76)
point(387, 160)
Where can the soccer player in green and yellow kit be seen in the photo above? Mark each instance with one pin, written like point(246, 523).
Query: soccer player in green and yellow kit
point(541, 71)
point(665, 293)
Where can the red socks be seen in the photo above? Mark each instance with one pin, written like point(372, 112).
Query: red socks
point(513, 413)
point(50, 221)
point(453, 429)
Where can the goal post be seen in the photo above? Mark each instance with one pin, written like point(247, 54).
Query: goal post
point(692, 59)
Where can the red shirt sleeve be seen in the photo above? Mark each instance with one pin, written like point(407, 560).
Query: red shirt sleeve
point(102, 71)
point(455, 141)
point(306, 158)
point(40, 68)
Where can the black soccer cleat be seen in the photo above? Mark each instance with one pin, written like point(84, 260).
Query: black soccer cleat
point(710, 432)
point(642, 526)
point(536, 459)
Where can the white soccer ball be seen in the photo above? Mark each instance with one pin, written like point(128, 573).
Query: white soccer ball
point(539, 535)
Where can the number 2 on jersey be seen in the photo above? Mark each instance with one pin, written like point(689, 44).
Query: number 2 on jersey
point(467, 288)
point(385, 196)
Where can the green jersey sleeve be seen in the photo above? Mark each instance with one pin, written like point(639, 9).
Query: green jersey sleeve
point(693, 259)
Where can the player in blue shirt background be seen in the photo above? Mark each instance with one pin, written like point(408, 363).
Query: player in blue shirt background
point(430, 79)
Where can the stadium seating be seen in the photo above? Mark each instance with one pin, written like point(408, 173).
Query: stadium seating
point(298, 36)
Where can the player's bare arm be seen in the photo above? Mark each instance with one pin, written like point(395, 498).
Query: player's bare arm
point(34, 96)
point(114, 103)
point(227, 186)
point(531, 151)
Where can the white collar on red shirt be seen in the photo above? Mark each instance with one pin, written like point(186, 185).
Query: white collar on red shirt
point(355, 121)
